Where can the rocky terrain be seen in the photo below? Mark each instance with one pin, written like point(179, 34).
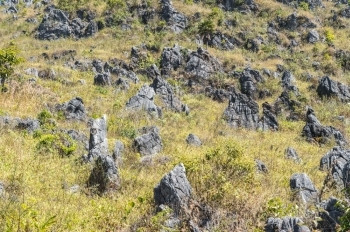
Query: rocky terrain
point(174, 115)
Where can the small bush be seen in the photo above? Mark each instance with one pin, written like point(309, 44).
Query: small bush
point(59, 142)
point(330, 37)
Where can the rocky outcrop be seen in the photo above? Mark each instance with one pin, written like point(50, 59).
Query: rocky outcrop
point(312, 4)
point(313, 36)
point(149, 143)
point(201, 65)
point(246, 5)
point(176, 20)
point(174, 190)
point(293, 22)
point(221, 41)
point(242, 111)
point(303, 188)
point(118, 150)
point(56, 24)
point(268, 121)
point(102, 79)
point(73, 109)
point(260, 166)
point(329, 88)
point(104, 176)
point(315, 131)
point(330, 214)
point(285, 224)
point(167, 94)
point(171, 59)
point(248, 80)
point(144, 100)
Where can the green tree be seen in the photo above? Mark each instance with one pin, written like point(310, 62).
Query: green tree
point(8, 59)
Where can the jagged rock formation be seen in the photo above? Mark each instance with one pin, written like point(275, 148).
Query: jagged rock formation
point(118, 150)
point(56, 24)
point(144, 100)
point(268, 121)
point(171, 59)
point(242, 111)
point(104, 175)
point(167, 94)
point(303, 187)
point(176, 20)
point(293, 22)
point(330, 215)
point(261, 167)
point(201, 65)
point(149, 143)
point(73, 109)
point(248, 80)
point(315, 131)
point(330, 88)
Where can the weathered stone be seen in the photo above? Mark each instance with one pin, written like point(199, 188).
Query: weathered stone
point(98, 143)
point(285, 224)
point(201, 65)
point(149, 143)
point(313, 36)
point(194, 140)
point(144, 100)
point(242, 111)
point(303, 187)
point(174, 190)
point(104, 175)
point(293, 21)
point(73, 109)
point(121, 72)
point(221, 41)
point(56, 24)
point(47, 74)
point(220, 95)
point(102, 79)
point(330, 215)
point(314, 130)
point(171, 59)
point(167, 94)
point(28, 124)
point(122, 84)
point(246, 5)
point(153, 72)
point(248, 80)
point(269, 120)
point(176, 20)
point(329, 88)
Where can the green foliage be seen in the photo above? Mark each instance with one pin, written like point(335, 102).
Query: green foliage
point(71, 5)
point(8, 59)
point(206, 27)
point(304, 6)
point(276, 207)
point(56, 142)
point(330, 37)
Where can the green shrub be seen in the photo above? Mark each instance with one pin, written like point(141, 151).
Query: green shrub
point(61, 143)
point(304, 6)
point(8, 59)
point(329, 33)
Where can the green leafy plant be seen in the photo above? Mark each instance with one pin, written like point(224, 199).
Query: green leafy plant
point(8, 59)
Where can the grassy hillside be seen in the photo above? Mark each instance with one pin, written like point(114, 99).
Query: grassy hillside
point(38, 181)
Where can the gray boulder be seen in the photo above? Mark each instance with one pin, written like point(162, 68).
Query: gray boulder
point(221, 41)
point(313, 36)
point(171, 59)
point(293, 22)
point(174, 190)
point(246, 5)
point(123, 73)
point(73, 109)
point(98, 143)
point(288, 81)
point(144, 100)
point(167, 94)
point(176, 20)
point(302, 186)
point(329, 88)
point(291, 153)
point(153, 72)
point(201, 65)
point(242, 111)
point(290, 224)
point(193, 140)
point(149, 143)
point(104, 175)
point(315, 131)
